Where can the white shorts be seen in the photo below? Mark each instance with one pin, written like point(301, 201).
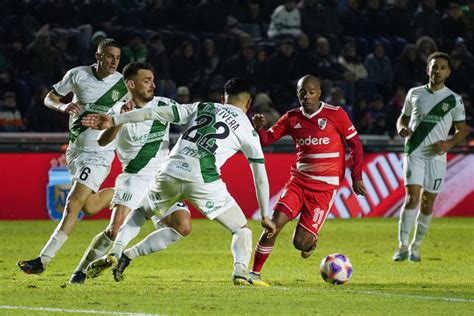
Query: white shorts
point(90, 168)
point(211, 199)
point(129, 189)
point(428, 173)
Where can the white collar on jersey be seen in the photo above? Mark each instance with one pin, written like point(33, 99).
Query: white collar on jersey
point(321, 105)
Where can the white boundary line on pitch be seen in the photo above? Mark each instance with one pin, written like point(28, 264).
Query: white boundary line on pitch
point(63, 310)
point(420, 297)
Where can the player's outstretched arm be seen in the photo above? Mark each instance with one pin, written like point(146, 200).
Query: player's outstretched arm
point(263, 195)
point(97, 121)
point(108, 135)
point(269, 226)
point(259, 121)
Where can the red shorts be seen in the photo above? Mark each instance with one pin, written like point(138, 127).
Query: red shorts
point(314, 206)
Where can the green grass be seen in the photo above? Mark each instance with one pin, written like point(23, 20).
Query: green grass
point(194, 275)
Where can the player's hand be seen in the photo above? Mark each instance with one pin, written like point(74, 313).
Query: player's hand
point(359, 188)
point(259, 121)
point(127, 107)
point(72, 108)
point(97, 121)
point(440, 147)
point(405, 132)
point(269, 225)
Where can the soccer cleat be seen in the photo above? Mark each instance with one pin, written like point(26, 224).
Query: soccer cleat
point(307, 253)
point(240, 280)
point(96, 267)
point(240, 275)
point(400, 254)
point(77, 277)
point(414, 255)
point(33, 266)
point(122, 264)
point(256, 279)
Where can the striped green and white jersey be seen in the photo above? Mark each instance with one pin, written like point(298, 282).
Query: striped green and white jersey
point(96, 95)
point(432, 114)
point(142, 147)
point(213, 133)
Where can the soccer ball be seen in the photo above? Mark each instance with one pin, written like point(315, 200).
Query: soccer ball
point(336, 269)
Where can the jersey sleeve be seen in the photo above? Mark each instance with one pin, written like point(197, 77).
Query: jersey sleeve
point(274, 133)
point(251, 147)
point(164, 110)
point(407, 105)
point(459, 112)
point(64, 86)
point(344, 125)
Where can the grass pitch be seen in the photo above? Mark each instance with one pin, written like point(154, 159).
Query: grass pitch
point(194, 275)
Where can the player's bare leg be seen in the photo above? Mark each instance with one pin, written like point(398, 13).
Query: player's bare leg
point(304, 241)
point(98, 201)
point(76, 199)
point(174, 227)
point(423, 221)
point(407, 220)
point(101, 242)
point(265, 245)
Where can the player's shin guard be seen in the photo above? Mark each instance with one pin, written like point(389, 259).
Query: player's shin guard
point(405, 225)
point(128, 231)
point(55, 242)
point(422, 223)
point(261, 255)
point(241, 250)
point(156, 241)
point(97, 248)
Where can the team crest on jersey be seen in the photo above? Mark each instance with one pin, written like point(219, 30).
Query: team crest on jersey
point(115, 94)
point(209, 204)
point(322, 123)
point(445, 107)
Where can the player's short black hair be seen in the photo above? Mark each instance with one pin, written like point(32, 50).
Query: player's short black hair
point(132, 69)
point(235, 86)
point(441, 55)
point(107, 42)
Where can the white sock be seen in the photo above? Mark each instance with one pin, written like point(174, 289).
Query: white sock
point(97, 248)
point(128, 231)
point(405, 225)
point(241, 249)
point(55, 242)
point(156, 241)
point(422, 223)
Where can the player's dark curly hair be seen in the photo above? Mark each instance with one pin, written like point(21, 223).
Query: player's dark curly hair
point(132, 69)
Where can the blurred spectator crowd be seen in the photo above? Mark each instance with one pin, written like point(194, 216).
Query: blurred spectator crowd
point(368, 53)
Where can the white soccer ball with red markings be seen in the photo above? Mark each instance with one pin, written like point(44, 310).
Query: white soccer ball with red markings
point(336, 269)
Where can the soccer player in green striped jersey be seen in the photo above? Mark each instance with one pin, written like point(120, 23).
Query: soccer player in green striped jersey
point(142, 148)
point(96, 88)
point(212, 134)
point(427, 116)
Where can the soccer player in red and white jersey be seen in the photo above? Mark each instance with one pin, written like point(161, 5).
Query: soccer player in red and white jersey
point(320, 131)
